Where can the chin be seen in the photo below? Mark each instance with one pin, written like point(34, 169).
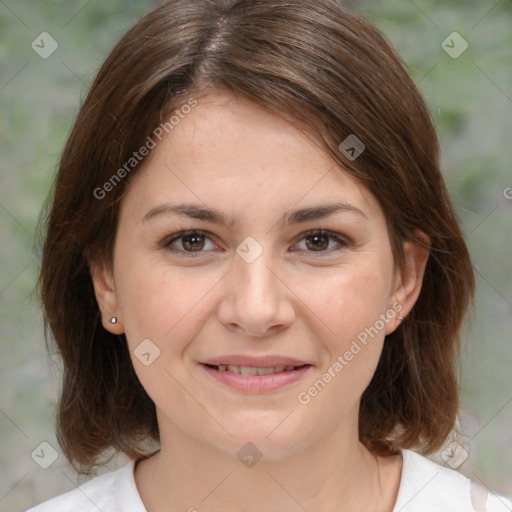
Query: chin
point(274, 438)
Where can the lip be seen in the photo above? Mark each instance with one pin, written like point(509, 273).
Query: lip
point(256, 383)
point(255, 361)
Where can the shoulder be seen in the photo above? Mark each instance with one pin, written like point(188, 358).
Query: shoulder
point(428, 487)
point(112, 492)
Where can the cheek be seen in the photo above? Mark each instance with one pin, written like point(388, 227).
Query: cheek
point(168, 307)
point(346, 302)
point(163, 303)
point(346, 312)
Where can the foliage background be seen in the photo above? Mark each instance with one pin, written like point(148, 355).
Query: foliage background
point(470, 99)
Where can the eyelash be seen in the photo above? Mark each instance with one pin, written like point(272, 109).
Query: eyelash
point(343, 243)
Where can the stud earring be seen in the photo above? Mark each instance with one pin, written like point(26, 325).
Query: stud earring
point(113, 320)
point(401, 319)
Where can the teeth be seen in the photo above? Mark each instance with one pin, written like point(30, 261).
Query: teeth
point(247, 370)
point(265, 371)
point(251, 370)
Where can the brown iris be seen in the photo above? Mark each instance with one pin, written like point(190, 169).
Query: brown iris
point(317, 242)
point(193, 242)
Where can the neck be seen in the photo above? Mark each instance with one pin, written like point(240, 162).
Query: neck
point(334, 474)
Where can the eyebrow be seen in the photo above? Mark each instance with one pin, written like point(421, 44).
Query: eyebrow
point(200, 212)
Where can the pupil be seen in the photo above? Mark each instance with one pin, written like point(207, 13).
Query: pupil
point(320, 242)
point(193, 242)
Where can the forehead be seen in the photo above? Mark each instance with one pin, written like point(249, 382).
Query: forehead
point(226, 132)
point(230, 152)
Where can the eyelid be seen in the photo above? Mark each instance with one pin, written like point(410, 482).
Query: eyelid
point(343, 241)
point(340, 239)
point(168, 240)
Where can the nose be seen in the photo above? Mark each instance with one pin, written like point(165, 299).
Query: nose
point(256, 300)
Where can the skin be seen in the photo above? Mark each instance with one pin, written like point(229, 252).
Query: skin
point(294, 300)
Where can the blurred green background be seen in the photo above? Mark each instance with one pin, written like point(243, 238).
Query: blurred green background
point(470, 98)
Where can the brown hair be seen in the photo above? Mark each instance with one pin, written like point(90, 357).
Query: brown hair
point(329, 71)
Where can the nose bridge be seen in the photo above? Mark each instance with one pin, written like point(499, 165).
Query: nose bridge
point(256, 301)
point(255, 280)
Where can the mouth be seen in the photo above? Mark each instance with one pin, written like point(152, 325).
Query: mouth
point(252, 370)
point(256, 378)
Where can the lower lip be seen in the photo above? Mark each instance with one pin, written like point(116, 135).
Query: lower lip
point(257, 383)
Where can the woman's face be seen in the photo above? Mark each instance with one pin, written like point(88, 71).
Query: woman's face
point(286, 263)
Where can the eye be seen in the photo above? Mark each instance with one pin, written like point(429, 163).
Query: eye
point(322, 241)
point(189, 242)
point(195, 242)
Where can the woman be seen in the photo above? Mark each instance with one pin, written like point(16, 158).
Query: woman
point(253, 271)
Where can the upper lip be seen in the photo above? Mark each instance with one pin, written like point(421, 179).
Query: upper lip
point(254, 362)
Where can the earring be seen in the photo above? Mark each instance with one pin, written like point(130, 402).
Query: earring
point(401, 319)
point(113, 320)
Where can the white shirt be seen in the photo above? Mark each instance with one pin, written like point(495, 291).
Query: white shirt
point(424, 487)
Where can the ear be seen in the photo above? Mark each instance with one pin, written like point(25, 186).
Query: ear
point(409, 278)
point(106, 297)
